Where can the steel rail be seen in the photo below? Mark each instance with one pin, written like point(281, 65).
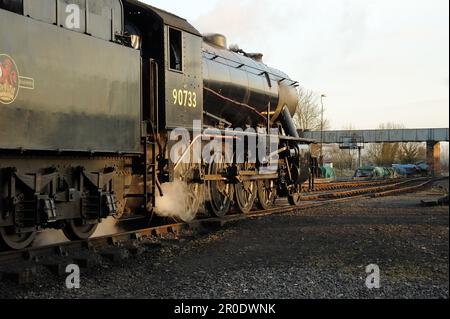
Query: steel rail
point(128, 243)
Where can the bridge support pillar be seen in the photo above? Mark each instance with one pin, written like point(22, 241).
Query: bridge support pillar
point(434, 157)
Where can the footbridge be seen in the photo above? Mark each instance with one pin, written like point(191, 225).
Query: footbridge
point(355, 138)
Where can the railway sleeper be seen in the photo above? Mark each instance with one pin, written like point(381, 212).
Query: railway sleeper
point(57, 265)
point(115, 254)
point(21, 274)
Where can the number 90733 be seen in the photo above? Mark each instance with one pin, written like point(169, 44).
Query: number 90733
point(184, 98)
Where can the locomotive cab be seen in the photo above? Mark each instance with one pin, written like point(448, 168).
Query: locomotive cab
point(172, 66)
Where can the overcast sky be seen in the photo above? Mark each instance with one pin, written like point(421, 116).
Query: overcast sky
point(377, 61)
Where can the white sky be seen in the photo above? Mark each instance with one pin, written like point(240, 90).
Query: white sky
point(378, 61)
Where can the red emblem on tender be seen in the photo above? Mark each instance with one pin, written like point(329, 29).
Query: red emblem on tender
point(9, 79)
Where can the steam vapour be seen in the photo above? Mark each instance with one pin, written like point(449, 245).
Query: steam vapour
point(50, 237)
point(176, 202)
point(107, 227)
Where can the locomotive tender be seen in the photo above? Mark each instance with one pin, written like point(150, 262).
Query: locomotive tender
point(87, 107)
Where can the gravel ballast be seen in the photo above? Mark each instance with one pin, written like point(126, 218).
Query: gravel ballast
point(315, 253)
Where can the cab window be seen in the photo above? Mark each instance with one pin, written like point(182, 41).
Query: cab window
point(176, 50)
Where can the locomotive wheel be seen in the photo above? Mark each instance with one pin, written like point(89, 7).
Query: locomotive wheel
point(267, 194)
point(194, 195)
point(295, 198)
point(296, 190)
point(246, 193)
point(10, 240)
point(77, 230)
point(220, 192)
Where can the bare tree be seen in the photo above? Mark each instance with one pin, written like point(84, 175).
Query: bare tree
point(309, 112)
point(412, 153)
point(384, 154)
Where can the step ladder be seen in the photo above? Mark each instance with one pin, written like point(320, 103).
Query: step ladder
point(147, 167)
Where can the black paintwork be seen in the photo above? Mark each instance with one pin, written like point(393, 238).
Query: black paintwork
point(86, 92)
point(79, 133)
point(241, 79)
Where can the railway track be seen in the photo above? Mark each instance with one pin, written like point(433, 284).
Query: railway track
point(22, 266)
point(351, 189)
point(328, 186)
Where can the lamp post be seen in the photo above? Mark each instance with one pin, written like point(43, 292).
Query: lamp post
point(321, 129)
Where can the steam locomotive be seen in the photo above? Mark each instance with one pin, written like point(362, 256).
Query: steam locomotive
point(90, 92)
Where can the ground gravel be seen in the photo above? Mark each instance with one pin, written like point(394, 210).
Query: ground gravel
point(315, 253)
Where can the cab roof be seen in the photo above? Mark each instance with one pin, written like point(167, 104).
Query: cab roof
point(168, 18)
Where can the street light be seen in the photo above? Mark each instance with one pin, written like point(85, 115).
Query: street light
point(321, 129)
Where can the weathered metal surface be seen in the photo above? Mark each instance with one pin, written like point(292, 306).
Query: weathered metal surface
point(240, 89)
point(75, 92)
point(68, 171)
point(99, 18)
point(182, 113)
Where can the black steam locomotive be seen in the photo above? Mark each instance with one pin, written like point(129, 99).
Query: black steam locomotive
point(90, 91)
